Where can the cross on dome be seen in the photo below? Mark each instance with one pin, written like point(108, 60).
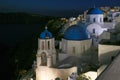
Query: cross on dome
point(46, 34)
point(46, 27)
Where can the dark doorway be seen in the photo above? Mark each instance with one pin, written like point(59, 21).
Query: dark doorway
point(57, 78)
point(43, 59)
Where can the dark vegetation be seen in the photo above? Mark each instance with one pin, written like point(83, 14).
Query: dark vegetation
point(108, 42)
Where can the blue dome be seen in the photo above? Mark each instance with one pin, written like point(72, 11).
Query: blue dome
point(94, 11)
point(76, 32)
point(46, 34)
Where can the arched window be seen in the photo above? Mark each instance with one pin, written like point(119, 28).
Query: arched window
point(48, 44)
point(43, 59)
point(73, 50)
point(93, 19)
point(100, 19)
point(93, 30)
point(43, 45)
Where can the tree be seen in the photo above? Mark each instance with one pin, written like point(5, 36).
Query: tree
point(55, 26)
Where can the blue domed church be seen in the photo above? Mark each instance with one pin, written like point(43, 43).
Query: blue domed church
point(76, 43)
point(95, 15)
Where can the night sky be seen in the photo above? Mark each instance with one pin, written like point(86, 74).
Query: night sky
point(51, 6)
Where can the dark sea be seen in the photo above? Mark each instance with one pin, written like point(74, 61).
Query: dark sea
point(10, 34)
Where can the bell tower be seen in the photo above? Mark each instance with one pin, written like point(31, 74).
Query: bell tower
point(95, 15)
point(46, 53)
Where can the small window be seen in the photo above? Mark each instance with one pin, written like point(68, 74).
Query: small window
point(93, 19)
point(48, 44)
point(100, 19)
point(43, 45)
point(73, 50)
point(93, 30)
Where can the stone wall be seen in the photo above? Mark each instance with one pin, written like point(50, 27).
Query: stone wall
point(77, 48)
point(107, 52)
